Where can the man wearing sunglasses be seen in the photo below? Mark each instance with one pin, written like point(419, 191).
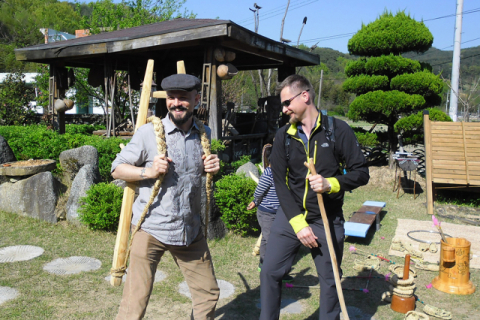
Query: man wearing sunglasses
point(298, 219)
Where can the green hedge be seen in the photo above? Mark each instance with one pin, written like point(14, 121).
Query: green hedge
point(37, 142)
point(363, 83)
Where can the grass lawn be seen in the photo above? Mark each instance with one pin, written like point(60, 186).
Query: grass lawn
point(89, 296)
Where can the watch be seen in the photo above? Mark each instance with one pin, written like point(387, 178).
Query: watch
point(142, 173)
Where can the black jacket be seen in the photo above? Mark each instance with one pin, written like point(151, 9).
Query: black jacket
point(298, 200)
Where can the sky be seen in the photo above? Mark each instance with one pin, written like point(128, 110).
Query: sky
point(332, 23)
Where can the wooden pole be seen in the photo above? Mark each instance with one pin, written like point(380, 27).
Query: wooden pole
point(119, 254)
point(320, 90)
point(328, 235)
point(428, 160)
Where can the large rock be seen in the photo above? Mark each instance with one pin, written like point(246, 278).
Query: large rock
point(34, 197)
point(74, 159)
point(6, 153)
point(248, 168)
point(85, 178)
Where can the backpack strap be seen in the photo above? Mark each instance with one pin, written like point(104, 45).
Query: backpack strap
point(287, 143)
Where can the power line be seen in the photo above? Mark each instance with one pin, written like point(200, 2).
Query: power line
point(351, 33)
point(279, 10)
point(439, 64)
point(455, 14)
point(291, 8)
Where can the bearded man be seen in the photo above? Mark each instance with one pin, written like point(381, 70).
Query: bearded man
point(173, 221)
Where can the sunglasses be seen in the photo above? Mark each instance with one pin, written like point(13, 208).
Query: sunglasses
point(286, 103)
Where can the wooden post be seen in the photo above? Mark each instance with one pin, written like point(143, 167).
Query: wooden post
point(428, 160)
point(331, 251)
point(119, 255)
point(215, 116)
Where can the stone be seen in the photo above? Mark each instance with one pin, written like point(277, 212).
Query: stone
point(85, 178)
point(120, 183)
point(6, 153)
point(19, 253)
point(72, 265)
point(34, 197)
point(7, 293)
point(248, 168)
point(74, 159)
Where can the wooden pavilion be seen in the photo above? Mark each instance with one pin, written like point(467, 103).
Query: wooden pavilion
point(190, 40)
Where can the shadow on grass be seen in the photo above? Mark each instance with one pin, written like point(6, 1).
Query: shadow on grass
point(361, 305)
point(245, 305)
point(409, 186)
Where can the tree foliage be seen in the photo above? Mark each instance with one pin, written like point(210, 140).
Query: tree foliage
point(364, 83)
point(388, 85)
point(20, 23)
point(15, 100)
point(391, 34)
point(107, 15)
point(411, 127)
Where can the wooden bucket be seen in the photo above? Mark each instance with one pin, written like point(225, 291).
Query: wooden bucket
point(454, 274)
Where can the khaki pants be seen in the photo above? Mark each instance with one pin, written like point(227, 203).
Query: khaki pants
point(195, 263)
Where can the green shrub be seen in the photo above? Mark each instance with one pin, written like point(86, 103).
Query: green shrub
point(365, 138)
point(83, 128)
point(232, 195)
point(216, 146)
point(37, 142)
point(101, 207)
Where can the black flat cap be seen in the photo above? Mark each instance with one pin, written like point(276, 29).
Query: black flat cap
point(183, 82)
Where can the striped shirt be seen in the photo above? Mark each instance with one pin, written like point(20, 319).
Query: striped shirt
point(265, 196)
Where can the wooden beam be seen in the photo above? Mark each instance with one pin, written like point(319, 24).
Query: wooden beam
point(428, 161)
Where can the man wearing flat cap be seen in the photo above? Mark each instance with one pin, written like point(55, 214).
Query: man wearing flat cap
point(173, 221)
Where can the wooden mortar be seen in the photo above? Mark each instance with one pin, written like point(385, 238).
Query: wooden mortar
point(402, 304)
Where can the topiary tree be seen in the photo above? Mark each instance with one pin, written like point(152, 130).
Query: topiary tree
point(389, 86)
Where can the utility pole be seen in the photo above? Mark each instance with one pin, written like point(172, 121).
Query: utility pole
point(320, 90)
point(456, 62)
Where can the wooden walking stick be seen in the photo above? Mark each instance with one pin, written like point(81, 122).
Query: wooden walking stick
point(328, 235)
point(119, 255)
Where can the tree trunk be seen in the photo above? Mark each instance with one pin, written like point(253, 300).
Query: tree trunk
point(392, 145)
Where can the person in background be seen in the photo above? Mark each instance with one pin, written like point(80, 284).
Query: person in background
point(266, 201)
